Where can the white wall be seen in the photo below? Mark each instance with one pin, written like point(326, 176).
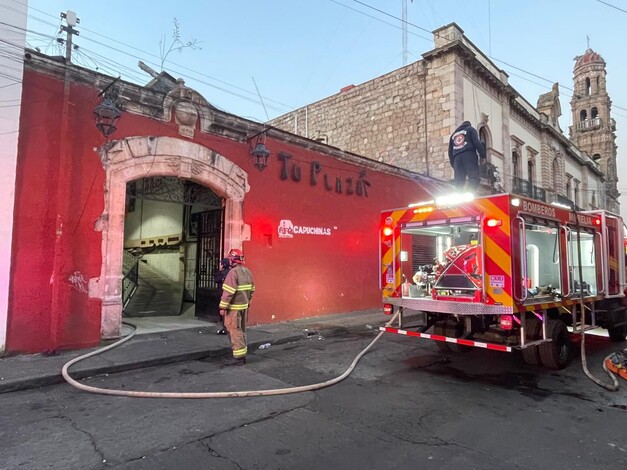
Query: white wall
point(13, 34)
point(153, 219)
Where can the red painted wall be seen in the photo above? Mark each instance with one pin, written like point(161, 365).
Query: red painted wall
point(59, 197)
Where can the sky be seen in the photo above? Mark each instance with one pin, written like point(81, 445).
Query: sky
point(260, 60)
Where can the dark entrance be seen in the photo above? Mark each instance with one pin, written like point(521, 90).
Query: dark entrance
point(210, 236)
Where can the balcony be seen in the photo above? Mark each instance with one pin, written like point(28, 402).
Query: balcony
point(593, 123)
point(525, 188)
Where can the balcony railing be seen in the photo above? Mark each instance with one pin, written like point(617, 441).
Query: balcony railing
point(592, 123)
point(525, 188)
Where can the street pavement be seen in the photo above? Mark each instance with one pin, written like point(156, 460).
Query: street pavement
point(145, 350)
point(405, 406)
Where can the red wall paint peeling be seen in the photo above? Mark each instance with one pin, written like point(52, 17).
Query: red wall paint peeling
point(60, 196)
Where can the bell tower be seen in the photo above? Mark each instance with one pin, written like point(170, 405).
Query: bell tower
point(593, 130)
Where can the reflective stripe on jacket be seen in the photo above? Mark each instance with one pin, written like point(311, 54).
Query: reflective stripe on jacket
point(237, 289)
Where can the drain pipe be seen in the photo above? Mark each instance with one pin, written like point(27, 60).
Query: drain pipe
point(248, 393)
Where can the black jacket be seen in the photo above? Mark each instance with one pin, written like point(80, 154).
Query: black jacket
point(464, 139)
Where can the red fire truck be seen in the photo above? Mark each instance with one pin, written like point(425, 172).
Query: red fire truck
point(504, 272)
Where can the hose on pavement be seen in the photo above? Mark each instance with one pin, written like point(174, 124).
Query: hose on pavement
point(247, 393)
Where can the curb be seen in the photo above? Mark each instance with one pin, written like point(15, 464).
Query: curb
point(15, 385)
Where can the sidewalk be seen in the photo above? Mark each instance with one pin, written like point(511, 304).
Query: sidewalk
point(145, 350)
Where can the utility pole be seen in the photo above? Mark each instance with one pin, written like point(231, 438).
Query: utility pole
point(71, 20)
point(404, 25)
point(404, 29)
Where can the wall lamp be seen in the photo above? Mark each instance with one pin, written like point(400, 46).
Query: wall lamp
point(260, 152)
point(106, 114)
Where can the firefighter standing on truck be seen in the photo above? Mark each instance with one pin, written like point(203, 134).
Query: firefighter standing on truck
point(463, 147)
point(237, 292)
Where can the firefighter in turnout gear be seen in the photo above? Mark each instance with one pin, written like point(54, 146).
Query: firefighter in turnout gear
point(463, 147)
point(237, 292)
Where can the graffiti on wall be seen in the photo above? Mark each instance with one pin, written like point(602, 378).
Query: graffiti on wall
point(78, 281)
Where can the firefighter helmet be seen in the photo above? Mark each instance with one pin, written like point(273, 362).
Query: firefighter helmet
point(236, 256)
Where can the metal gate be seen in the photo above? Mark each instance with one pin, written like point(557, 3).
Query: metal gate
point(209, 253)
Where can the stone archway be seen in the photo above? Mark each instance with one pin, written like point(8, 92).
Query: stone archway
point(140, 157)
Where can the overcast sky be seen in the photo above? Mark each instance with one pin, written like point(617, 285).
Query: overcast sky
point(296, 52)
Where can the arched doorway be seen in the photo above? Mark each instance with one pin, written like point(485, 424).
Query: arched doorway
point(137, 158)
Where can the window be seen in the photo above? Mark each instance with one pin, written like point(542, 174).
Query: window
point(598, 84)
point(594, 112)
point(543, 277)
point(587, 86)
point(593, 202)
point(586, 244)
point(516, 164)
point(568, 186)
point(531, 171)
point(484, 137)
point(576, 195)
point(583, 115)
point(554, 173)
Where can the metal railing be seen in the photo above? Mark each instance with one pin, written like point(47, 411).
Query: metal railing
point(525, 188)
point(130, 280)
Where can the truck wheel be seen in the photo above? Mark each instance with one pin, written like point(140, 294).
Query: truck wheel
point(531, 355)
point(452, 329)
point(618, 333)
point(557, 353)
point(440, 330)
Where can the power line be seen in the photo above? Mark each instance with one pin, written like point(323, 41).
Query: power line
point(612, 6)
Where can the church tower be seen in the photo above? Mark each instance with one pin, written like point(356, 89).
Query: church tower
point(593, 130)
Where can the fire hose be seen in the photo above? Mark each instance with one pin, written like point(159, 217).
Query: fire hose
point(584, 363)
point(247, 393)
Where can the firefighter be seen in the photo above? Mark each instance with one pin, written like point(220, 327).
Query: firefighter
point(237, 292)
point(463, 148)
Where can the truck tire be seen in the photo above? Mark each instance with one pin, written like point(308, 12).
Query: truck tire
point(557, 353)
point(452, 329)
point(440, 330)
point(531, 355)
point(616, 314)
point(455, 329)
point(618, 333)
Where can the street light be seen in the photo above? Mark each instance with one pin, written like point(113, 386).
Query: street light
point(106, 115)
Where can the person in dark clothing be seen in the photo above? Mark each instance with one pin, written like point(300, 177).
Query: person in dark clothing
point(463, 148)
point(220, 276)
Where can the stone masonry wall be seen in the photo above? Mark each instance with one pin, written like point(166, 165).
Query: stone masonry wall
point(384, 119)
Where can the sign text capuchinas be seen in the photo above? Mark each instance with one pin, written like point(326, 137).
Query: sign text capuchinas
point(349, 185)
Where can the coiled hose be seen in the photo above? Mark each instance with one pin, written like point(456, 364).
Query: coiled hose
point(248, 393)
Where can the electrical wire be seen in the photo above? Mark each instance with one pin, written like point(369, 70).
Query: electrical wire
point(239, 394)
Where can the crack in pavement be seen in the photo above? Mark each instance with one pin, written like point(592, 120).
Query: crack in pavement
point(212, 451)
point(92, 439)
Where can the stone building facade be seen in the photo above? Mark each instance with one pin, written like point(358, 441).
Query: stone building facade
point(593, 129)
point(405, 118)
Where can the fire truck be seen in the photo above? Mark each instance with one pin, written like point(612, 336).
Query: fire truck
point(504, 273)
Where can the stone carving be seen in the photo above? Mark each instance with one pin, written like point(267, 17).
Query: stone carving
point(186, 116)
point(187, 106)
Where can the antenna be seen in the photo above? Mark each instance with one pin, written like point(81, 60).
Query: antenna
point(71, 20)
point(261, 99)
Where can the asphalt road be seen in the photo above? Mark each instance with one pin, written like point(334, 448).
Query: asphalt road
point(406, 406)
